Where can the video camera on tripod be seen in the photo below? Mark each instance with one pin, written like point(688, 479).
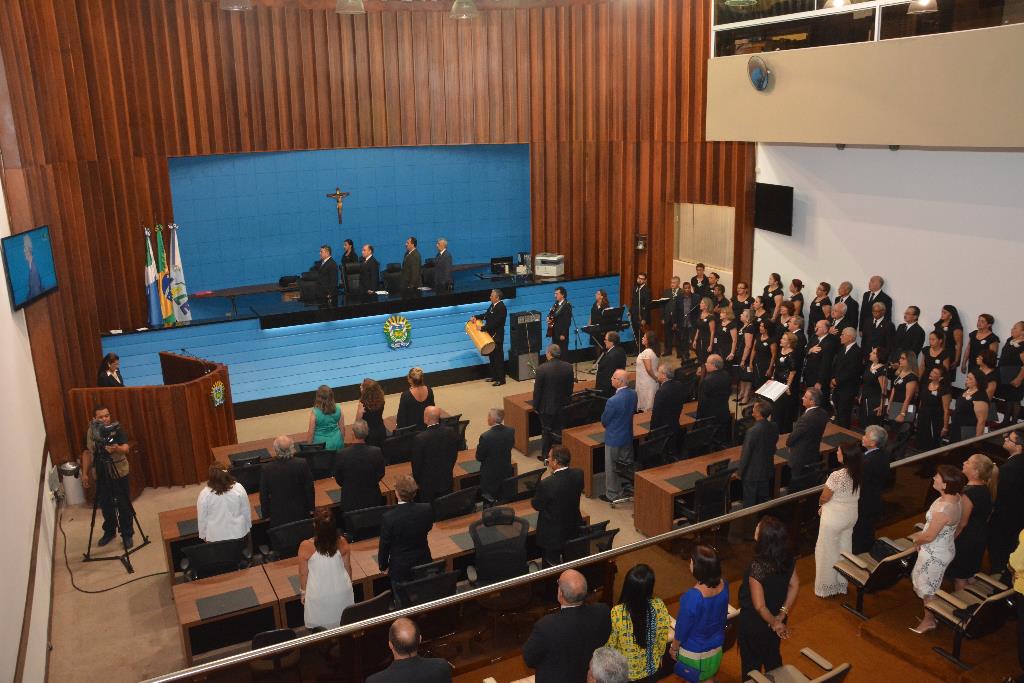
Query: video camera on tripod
point(104, 435)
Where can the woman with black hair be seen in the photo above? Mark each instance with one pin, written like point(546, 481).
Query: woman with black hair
point(766, 350)
point(952, 330)
point(641, 627)
point(820, 308)
point(971, 411)
point(796, 297)
point(935, 355)
point(981, 340)
point(1011, 371)
point(837, 507)
point(872, 387)
point(700, 622)
point(767, 594)
point(773, 295)
point(110, 372)
point(933, 412)
point(600, 303)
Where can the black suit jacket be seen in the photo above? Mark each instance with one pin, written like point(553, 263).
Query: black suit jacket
point(847, 368)
point(106, 380)
point(757, 461)
point(880, 336)
point(1008, 508)
point(908, 339)
point(369, 274)
point(668, 405)
point(358, 470)
point(327, 276)
point(818, 366)
point(411, 269)
point(443, 270)
point(612, 360)
point(875, 475)
point(804, 442)
point(668, 314)
point(557, 499)
point(686, 311)
point(865, 307)
point(403, 539)
point(552, 387)
point(494, 451)
point(418, 669)
point(640, 306)
point(852, 317)
point(713, 397)
point(434, 452)
point(560, 330)
point(286, 491)
point(561, 644)
point(494, 323)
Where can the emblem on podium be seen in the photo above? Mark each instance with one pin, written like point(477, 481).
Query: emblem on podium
point(398, 331)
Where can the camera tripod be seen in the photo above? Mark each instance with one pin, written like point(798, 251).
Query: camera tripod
point(124, 557)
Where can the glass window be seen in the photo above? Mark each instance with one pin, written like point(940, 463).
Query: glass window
point(727, 12)
point(832, 29)
point(952, 15)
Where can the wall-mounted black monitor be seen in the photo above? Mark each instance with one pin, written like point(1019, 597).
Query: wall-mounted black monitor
point(28, 264)
point(773, 208)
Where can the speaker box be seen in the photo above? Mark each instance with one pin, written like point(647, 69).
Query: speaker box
point(523, 366)
point(525, 332)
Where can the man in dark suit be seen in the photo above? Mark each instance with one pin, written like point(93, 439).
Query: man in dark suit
point(403, 533)
point(552, 389)
point(557, 499)
point(668, 406)
point(561, 644)
point(668, 316)
point(326, 274)
point(442, 267)
point(640, 307)
point(1008, 509)
point(369, 270)
point(847, 369)
point(358, 469)
point(560, 319)
point(494, 325)
point(494, 452)
point(818, 360)
point(613, 358)
point(757, 461)
point(872, 296)
point(804, 442)
point(286, 486)
point(404, 642)
point(713, 396)
point(876, 331)
point(909, 335)
point(411, 264)
point(850, 313)
point(686, 311)
point(434, 452)
point(874, 477)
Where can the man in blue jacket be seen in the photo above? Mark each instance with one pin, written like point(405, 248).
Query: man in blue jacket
point(617, 419)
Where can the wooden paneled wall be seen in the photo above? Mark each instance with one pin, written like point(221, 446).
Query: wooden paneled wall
point(95, 95)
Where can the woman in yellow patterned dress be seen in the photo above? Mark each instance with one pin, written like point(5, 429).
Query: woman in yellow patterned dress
point(641, 627)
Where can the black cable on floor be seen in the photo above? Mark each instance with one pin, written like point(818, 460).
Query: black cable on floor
point(60, 525)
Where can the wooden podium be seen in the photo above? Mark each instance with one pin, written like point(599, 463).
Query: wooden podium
point(174, 425)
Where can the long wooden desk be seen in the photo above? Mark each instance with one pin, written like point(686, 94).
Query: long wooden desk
point(520, 416)
point(657, 488)
point(586, 443)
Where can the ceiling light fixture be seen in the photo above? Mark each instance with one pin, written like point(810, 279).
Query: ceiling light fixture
point(740, 3)
point(350, 7)
point(236, 5)
point(464, 9)
point(832, 4)
point(923, 7)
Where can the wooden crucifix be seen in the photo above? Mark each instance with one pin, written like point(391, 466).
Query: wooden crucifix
point(339, 197)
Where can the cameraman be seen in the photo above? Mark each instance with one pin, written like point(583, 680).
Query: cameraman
point(106, 453)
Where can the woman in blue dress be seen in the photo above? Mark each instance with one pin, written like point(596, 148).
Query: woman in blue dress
point(700, 623)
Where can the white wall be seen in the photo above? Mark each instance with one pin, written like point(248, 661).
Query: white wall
point(940, 226)
point(21, 422)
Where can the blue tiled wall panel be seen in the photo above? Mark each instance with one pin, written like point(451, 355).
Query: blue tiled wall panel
point(289, 360)
point(250, 218)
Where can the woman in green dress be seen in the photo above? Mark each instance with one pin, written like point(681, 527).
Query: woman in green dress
point(326, 423)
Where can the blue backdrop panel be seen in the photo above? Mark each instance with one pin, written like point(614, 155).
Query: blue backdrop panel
point(289, 360)
point(250, 218)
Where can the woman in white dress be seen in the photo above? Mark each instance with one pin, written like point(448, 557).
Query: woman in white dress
point(838, 513)
point(936, 544)
point(325, 571)
point(647, 372)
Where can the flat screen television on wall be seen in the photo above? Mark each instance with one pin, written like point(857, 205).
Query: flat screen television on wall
point(773, 208)
point(28, 265)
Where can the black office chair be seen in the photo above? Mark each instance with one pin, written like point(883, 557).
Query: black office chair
point(311, 446)
point(721, 466)
point(352, 283)
point(392, 277)
point(285, 539)
point(365, 523)
point(368, 650)
point(451, 420)
point(210, 559)
point(579, 412)
point(652, 450)
point(321, 462)
point(698, 439)
point(427, 589)
point(455, 504)
point(427, 273)
point(590, 544)
point(587, 529)
point(499, 543)
point(520, 486)
point(398, 447)
point(274, 665)
point(461, 430)
point(248, 476)
point(422, 571)
point(711, 499)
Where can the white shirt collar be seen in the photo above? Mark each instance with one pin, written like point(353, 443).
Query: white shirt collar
point(560, 469)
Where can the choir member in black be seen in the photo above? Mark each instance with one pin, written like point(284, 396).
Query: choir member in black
point(905, 384)
point(871, 297)
point(721, 301)
point(987, 373)
point(933, 411)
point(982, 339)
point(975, 510)
point(727, 336)
point(786, 372)
point(773, 296)
point(796, 326)
point(935, 355)
point(952, 331)
point(909, 335)
point(742, 301)
point(758, 309)
point(747, 334)
point(1011, 371)
point(877, 330)
point(872, 388)
point(846, 375)
point(560, 319)
point(839, 321)
point(785, 312)
point(600, 303)
point(821, 348)
point(820, 307)
point(685, 314)
point(110, 372)
point(971, 410)
point(349, 255)
point(796, 287)
point(703, 340)
point(766, 350)
point(851, 310)
point(699, 283)
point(640, 307)
point(668, 315)
point(713, 279)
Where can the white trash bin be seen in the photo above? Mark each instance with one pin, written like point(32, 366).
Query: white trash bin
point(70, 476)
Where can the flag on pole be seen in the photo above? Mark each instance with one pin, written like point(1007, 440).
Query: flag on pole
point(164, 279)
point(152, 288)
point(179, 293)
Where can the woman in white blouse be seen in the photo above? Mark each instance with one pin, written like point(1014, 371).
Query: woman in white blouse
point(647, 372)
point(838, 516)
point(224, 510)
